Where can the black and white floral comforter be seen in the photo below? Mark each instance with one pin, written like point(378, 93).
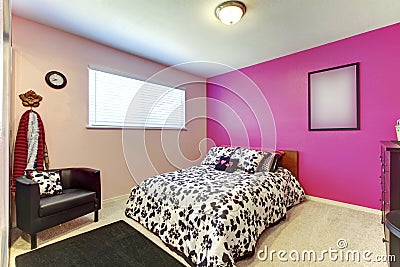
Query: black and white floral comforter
point(211, 216)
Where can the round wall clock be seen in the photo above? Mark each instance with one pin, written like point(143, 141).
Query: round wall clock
point(56, 79)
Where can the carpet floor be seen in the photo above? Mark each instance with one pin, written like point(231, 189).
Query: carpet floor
point(311, 225)
point(115, 244)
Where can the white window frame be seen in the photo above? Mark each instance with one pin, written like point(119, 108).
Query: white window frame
point(141, 118)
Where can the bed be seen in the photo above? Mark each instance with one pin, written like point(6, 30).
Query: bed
point(213, 217)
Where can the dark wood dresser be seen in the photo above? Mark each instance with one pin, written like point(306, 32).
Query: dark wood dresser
point(390, 182)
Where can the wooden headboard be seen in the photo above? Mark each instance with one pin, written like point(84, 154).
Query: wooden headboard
point(290, 161)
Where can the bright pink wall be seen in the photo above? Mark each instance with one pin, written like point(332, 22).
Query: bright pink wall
point(338, 165)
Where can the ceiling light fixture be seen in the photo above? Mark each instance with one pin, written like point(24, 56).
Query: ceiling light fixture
point(230, 12)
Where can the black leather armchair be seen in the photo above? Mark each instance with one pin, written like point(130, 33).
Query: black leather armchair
point(81, 195)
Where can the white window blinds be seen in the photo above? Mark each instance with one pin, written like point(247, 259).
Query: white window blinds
point(116, 101)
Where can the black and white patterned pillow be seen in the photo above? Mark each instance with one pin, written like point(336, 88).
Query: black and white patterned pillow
point(249, 159)
point(215, 153)
point(269, 162)
point(49, 182)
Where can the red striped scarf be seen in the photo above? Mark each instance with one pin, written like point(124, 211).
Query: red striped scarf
point(21, 147)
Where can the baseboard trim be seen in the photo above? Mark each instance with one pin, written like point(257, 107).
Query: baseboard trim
point(342, 204)
point(114, 199)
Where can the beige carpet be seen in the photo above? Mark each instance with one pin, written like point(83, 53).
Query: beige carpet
point(310, 227)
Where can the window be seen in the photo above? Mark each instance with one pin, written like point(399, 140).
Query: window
point(117, 100)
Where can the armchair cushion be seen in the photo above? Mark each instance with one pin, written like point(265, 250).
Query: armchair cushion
point(69, 199)
point(49, 182)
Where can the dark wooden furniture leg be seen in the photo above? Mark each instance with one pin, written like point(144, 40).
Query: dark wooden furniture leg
point(33, 241)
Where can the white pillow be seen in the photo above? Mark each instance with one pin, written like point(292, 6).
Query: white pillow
point(215, 153)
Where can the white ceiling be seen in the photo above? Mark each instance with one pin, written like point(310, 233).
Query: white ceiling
point(178, 31)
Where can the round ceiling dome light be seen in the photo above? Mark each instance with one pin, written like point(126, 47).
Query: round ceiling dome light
point(230, 12)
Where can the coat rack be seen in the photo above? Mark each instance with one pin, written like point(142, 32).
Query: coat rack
point(30, 99)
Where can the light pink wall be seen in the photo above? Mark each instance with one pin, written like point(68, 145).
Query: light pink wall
point(338, 165)
point(38, 49)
